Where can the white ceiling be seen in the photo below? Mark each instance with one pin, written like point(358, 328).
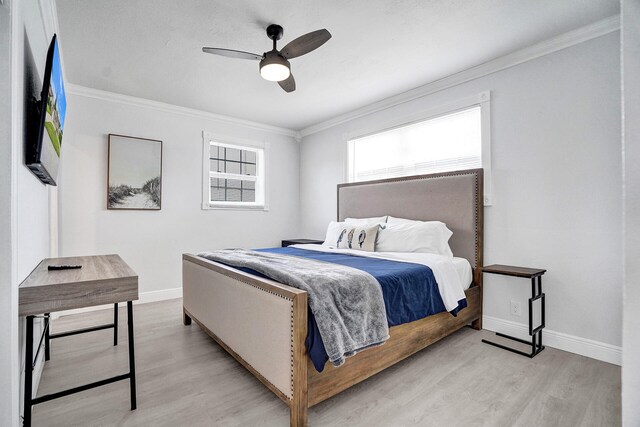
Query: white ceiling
point(152, 48)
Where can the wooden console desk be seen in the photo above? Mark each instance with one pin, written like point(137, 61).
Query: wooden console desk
point(103, 279)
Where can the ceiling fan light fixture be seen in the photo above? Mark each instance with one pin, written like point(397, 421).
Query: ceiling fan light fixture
point(275, 72)
point(274, 67)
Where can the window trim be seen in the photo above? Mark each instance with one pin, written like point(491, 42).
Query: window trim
point(261, 170)
point(483, 100)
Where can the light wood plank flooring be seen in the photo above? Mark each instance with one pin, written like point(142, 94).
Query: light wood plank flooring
point(186, 379)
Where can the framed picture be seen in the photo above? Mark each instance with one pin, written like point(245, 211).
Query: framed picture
point(134, 177)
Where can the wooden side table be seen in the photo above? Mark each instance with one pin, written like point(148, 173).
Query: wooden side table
point(290, 242)
point(535, 333)
point(103, 279)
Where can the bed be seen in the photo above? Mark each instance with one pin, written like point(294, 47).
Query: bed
point(263, 323)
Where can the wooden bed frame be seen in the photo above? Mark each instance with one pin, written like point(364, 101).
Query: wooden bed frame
point(263, 323)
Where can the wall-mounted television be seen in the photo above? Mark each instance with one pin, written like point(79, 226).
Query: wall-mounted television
point(42, 151)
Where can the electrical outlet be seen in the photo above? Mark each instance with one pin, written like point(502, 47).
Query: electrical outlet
point(515, 308)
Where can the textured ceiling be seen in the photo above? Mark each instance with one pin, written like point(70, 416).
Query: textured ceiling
point(152, 48)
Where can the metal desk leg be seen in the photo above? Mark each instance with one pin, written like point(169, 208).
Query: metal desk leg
point(47, 342)
point(28, 373)
point(115, 324)
point(533, 336)
point(132, 361)
point(542, 314)
point(536, 333)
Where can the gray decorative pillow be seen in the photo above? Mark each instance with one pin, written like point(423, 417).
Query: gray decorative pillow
point(359, 238)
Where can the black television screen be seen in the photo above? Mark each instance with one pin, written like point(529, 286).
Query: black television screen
point(43, 153)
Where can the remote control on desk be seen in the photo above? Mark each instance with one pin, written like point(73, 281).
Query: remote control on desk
point(64, 267)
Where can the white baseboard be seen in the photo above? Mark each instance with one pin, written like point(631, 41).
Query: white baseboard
point(571, 343)
point(164, 294)
point(144, 297)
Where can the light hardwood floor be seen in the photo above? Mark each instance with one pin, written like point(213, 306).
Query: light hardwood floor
point(186, 379)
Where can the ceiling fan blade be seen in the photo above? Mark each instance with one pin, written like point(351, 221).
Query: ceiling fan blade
point(232, 53)
point(305, 44)
point(289, 84)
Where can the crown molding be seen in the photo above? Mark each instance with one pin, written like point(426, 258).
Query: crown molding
point(563, 41)
point(175, 109)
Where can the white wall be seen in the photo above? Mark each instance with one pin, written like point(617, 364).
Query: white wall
point(631, 159)
point(152, 242)
point(32, 196)
point(24, 199)
point(8, 287)
point(556, 183)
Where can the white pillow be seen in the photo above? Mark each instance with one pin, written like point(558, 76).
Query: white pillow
point(414, 236)
point(394, 220)
point(359, 238)
point(333, 232)
point(366, 222)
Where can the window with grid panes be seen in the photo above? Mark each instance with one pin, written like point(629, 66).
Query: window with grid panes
point(235, 175)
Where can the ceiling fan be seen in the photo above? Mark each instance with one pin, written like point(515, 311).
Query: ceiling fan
point(274, 65)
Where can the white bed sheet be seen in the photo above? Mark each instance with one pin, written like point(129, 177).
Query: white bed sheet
point(453, 275)
point(464, 270)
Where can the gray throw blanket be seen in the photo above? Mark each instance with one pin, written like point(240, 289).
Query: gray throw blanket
point(347, 303)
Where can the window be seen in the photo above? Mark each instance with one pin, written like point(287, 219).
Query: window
point(455, 138)
point(234, 175)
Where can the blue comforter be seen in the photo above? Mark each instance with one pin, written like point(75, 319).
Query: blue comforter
point(409, 290)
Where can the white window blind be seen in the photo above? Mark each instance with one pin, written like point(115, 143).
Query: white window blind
point(445, 143)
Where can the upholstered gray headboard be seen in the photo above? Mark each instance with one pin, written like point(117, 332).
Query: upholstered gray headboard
point(455, 198)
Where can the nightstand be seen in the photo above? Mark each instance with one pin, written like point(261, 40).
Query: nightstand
point(290, 242)
point(535, 333)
